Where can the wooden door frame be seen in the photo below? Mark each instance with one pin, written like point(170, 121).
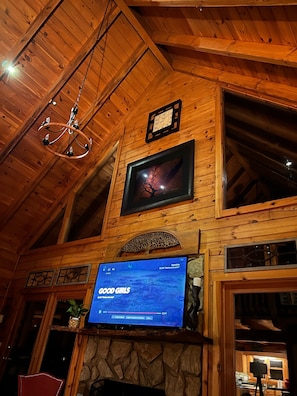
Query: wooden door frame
point(13, 324)
point(228, 289)
point(50, 296)
point(76, 292)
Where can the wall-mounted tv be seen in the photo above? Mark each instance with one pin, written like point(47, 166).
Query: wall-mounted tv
point(141, 293)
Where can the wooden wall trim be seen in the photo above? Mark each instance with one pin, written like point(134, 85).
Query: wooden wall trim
point(227, 342)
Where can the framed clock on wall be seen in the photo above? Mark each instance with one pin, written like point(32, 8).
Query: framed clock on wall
point(163, 121)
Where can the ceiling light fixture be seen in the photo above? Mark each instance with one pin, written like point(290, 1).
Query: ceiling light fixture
point(288, 163)
point(66, 140)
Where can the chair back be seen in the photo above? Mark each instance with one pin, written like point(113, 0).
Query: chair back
point(40, 384)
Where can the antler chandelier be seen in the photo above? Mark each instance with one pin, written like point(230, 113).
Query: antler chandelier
point(66, 140)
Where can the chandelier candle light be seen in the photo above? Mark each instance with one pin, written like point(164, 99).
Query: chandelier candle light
point(71, 131)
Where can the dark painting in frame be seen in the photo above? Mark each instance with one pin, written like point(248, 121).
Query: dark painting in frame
point(160, 179)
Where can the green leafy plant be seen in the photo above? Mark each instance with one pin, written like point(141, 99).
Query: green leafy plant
point(76, 310)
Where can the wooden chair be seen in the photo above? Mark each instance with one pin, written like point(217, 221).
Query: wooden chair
point(39, 384)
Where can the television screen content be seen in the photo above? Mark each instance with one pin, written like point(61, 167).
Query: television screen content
point(148, 292)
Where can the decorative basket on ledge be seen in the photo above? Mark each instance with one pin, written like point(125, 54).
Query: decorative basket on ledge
point(73, 323)
point(76, 310)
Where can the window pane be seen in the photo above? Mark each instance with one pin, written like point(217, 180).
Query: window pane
point(260, 155)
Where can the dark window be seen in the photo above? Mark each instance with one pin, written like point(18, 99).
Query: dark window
point(260, 155)
point(276, 363)
point(276, 374)
point(261, 255)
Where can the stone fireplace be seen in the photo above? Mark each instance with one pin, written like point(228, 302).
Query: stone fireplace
point(171, 366)
point(115, 388)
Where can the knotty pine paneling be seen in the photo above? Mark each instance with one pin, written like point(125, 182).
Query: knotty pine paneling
point(216, 233)
point(15, 20)
point(186, 218)
point(197, 122)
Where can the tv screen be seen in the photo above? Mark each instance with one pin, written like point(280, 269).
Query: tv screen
point(148, 292)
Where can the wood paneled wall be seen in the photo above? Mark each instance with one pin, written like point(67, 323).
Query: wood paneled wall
point(199, 121)
point(6, 275)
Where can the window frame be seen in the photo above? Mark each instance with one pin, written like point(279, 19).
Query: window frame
point(221, 180)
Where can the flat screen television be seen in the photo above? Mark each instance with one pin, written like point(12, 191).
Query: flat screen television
point(140, 293)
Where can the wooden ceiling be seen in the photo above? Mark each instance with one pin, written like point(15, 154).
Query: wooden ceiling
point(51, 43)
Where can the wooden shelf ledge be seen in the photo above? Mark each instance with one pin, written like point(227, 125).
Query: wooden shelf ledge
point(179, 335)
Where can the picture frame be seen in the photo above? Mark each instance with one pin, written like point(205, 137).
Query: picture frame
point(160, 179)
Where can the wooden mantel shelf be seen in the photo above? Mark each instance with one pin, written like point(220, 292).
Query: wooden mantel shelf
point(180, 335)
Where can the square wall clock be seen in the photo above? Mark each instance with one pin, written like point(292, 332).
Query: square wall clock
point(163, 121)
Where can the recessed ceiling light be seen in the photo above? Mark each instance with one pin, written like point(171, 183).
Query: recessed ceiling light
point(8, 67)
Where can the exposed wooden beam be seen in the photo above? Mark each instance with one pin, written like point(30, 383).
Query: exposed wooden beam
point(262, 160)
point(115, 82)
point(207, 3)
point(260, 335)
point(256, 347)
point(243, 137)
point(55, 211)
point(263, 122)
point(67, 219)
point(96, 208)
point(106, 93)
point(72, 67)
point(259, 52)
point(40, 20)
point(31, 119)
point(144, 34)
point(247, 83)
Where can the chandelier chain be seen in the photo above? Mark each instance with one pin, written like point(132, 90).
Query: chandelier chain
point(71, 129)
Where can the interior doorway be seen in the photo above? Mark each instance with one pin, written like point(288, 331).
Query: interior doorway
point(37, 345)
point(259, 326)
point(263, 322)
point(18, 357)
point(58, 352)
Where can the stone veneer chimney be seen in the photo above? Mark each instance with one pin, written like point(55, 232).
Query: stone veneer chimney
point(173, 367)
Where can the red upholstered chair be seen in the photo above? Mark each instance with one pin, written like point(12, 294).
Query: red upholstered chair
point(40, 384)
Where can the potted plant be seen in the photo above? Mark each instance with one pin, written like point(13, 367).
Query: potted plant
point(76, 311)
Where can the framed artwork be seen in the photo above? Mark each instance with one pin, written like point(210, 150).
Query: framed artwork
point(161, 179)
point(163, 121)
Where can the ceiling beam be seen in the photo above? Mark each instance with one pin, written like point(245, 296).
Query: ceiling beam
point(63, 79)
point(283, 131)
point(115, 82)
point(243, 137)
point(144, 34)
point(55, 210)
point(263, 160)
point(76, 62)
point(260, 335)
point(207, 3)
point(38, 22)
point(107, 92)
point(259, 52)
point(270, 89)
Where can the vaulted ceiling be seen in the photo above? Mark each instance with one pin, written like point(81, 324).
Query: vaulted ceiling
point(55, 43)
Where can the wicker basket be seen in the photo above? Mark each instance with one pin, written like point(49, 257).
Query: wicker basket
point(73, 323)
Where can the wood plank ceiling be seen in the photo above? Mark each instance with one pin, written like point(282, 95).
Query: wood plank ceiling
point(51, 43)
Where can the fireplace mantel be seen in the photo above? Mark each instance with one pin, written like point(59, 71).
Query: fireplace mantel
point(158, 335)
